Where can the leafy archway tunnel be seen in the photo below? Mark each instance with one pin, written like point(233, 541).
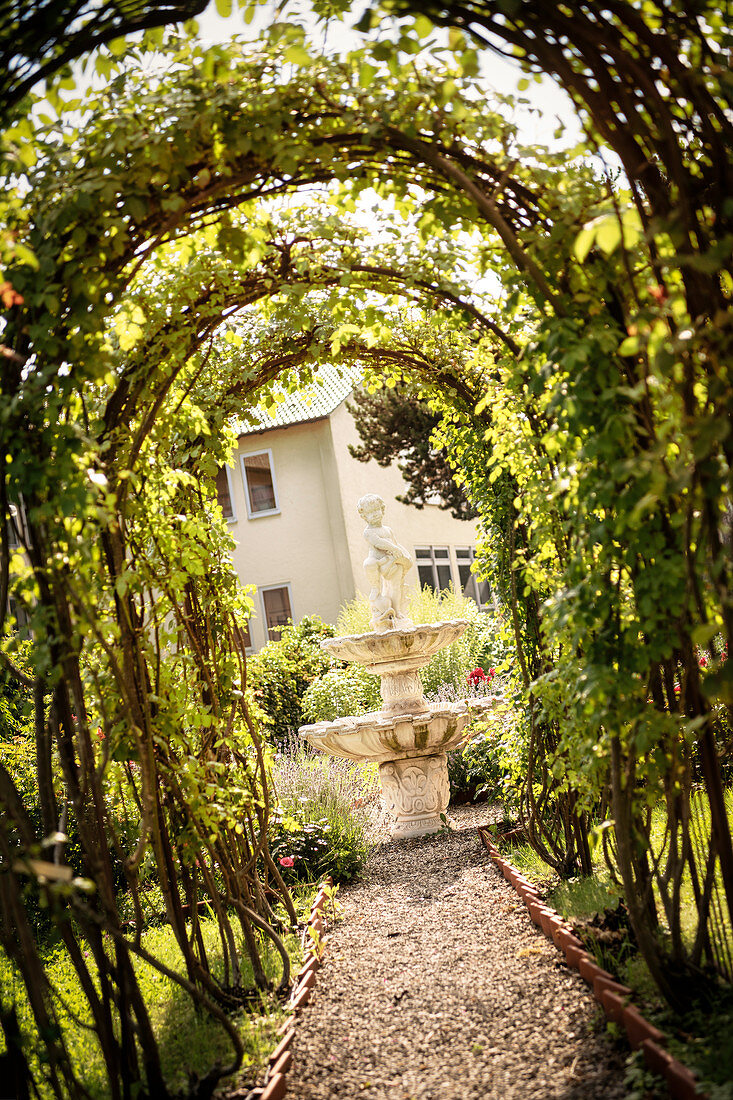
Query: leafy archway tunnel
point(168, 279)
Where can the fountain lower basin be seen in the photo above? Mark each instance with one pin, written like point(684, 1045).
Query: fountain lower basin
point(381, 737)
point(411, 752)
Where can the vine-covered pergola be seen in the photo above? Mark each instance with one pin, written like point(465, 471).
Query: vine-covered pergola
point(156, 280)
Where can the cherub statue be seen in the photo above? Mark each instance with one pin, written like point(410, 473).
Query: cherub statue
point(385, 567)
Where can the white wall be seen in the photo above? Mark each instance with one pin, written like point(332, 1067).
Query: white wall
point(304, 544)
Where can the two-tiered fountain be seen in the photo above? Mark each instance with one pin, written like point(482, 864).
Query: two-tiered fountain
point(408, 737)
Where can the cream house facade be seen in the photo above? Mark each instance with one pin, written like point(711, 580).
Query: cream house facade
point(290, 499)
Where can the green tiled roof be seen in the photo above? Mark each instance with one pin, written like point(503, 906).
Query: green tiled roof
point(318, 399)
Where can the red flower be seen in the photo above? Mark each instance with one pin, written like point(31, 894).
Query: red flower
point(476, 677)
point(703, 662)
point(286, 861)
point(10, 296)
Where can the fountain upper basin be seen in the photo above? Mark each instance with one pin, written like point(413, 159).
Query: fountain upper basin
point(405, 649)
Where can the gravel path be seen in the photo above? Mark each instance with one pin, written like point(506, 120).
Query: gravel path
point(436, 986)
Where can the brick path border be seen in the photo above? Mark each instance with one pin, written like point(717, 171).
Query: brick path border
point(613, 997)
point(280, 1061)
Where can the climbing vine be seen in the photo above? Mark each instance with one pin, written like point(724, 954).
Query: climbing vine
point(155, 286)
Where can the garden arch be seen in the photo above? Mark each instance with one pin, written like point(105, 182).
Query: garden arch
point(139, 191)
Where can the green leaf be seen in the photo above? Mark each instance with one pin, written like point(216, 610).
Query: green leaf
point(629, 346)
point(297, 55)
point(608, 234)
point(224, 8)
point(367, 73)
point(456, 40)
point(103, 65)
point(704, 633)
point(365, 23)
point(718, 686)
point(583, 243)
point(24, 255)
point(423, 26)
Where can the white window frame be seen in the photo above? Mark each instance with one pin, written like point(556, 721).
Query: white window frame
point(433, 562)
point(270, 511)
point(14, 528)
point(230, 482)
point(261, 589)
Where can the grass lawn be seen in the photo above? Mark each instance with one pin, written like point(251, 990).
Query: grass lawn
point(189, 1042)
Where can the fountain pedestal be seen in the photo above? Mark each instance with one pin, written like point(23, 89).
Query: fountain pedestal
point(416, 792)
point(408, 737)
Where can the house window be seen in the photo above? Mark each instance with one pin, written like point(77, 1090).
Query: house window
point(433, 567)
point(246, 636)
point(276, 603)
point(224, 493)
point(471, 586)
point(259, 483)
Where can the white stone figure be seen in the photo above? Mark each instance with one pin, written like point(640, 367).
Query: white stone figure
point(385, 566)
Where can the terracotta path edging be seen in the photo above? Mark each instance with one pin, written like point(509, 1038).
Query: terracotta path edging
point(275, 1086)
point(610, 994)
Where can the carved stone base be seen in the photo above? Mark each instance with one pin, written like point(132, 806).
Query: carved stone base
point(416, 792)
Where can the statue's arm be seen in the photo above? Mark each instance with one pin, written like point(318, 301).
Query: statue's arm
point(397, 551)
point(385, 541)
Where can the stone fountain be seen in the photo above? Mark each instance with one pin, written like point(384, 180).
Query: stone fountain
point(409, 737)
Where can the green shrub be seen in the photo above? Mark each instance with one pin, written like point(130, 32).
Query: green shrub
point(340, 692)
point(280, 673)
point(16, 700)
point(492, 763)
point(476, 769)
point(445, 675)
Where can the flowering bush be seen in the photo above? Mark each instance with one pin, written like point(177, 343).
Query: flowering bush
point(477, 678)
point(317, 848)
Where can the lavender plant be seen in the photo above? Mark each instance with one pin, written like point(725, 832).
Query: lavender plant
point(328, 808)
